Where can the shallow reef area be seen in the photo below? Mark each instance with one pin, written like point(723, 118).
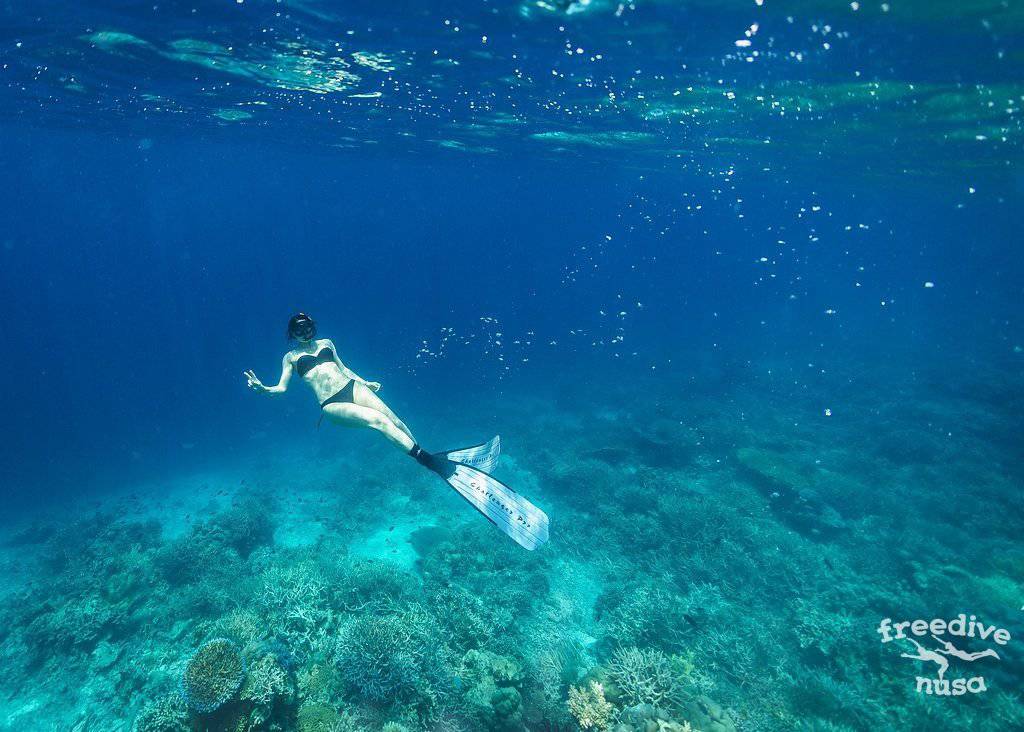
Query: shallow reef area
point(721, 556)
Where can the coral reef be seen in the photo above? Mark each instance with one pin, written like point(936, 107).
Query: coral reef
point(392, 657)
point(266, 684)
point(213, 675)
point(648, 718)
point(490, 690)
point(317, 718)
point(676, 594)
point(589, 707)
point(167, 714)
point(643, 676)
point(247, 525)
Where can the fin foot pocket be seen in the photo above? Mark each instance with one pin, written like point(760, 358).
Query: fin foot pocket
point(436, 462)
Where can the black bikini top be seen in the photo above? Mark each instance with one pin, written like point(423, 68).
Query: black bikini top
point(305, 364)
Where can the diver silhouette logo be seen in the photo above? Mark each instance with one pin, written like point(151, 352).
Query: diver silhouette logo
point(961, 627)
point(923, 654)
point(951, 650)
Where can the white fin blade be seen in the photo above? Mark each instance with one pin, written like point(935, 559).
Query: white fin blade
point(523, 522)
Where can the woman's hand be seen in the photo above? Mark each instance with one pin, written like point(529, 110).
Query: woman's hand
point(372, 385)
point(254, 383)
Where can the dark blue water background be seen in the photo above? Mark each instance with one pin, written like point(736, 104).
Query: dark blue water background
point(152, 250)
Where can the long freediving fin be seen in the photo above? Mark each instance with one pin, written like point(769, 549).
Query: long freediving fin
point(523, 522)
point(482, 457)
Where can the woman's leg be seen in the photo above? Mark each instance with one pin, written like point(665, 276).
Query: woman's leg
point(355, 415)
point(365, 397)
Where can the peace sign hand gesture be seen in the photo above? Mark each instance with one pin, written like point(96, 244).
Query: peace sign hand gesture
point(253, 382)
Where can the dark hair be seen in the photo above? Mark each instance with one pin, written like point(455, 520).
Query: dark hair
point(301, 324)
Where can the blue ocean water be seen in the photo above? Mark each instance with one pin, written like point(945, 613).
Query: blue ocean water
point(738, 283)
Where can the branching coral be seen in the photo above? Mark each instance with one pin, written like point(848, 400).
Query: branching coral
point(362, 584)
point(378, 656)
point(265, 682)
point(166, 714)
point(821, 629)
point(741, 658)
point(213, 675)
point(465, 619)
point(589, 707)
point(644, 676)
point(296, 598)
point(645, 613)
point(389, 657)
point(555, 658)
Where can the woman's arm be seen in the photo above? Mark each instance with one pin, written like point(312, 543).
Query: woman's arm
point(375, 385)
point(282, 383)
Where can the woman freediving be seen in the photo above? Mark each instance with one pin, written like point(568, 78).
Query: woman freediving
point(351, 401)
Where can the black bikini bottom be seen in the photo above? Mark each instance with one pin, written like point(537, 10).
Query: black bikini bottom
point(345, 396)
